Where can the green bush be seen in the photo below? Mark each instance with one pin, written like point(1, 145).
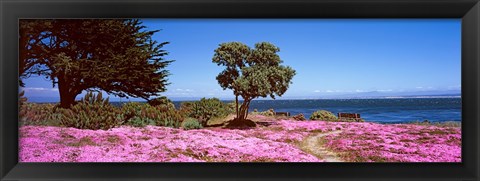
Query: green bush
point(94, 99)
point(187, 108)
point(205, 109)
point(92, 112)
point(231, 107)
point(138, 114)
point(168, 117)
point(161, 101)
point(440, 124)
point(269, 112)
point(323, 115)
point(39, 114)
point(140, 122)
point(191, 123)
point(131, 110)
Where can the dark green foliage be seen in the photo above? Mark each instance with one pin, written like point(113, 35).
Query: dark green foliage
point(30, 32)
point(161, 101)
point(191, 123)
point(252, 73)
point(323, 115)
point(92, 112)
point(299, 117)
point(209, 108)
point(205, 109)
point(114, 55)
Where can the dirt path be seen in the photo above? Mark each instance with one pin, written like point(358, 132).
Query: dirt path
point(313, 146)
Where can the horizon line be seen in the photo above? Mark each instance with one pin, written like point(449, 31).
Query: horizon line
point(265, 99)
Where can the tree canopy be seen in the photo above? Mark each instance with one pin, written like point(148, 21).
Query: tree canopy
point(252, 73)
point(114, 55)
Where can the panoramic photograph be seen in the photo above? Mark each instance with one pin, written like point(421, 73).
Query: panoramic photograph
point(240, 90)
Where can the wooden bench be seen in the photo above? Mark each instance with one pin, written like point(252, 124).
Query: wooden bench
point(355, 116)
point(282, 114)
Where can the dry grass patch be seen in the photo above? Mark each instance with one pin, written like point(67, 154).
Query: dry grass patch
point(213, 122)
point(85, 141)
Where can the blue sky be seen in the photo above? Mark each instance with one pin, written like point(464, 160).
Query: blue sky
point(331, 56)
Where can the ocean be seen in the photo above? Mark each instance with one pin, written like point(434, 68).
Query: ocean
point(391, 110)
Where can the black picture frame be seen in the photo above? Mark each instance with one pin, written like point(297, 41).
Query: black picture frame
point(11, 11)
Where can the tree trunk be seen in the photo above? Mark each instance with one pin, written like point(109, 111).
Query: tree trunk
point(67, 99)
point(236, 105)
point(241, 120)
point(244, 109)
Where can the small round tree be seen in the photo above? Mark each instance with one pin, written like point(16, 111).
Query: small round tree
point(252, 73)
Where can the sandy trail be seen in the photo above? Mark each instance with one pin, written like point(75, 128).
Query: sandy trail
point(313, 146)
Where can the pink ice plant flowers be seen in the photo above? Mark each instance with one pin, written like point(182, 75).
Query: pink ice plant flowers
point(370, 142)
point(279, 142)
point(153, 144)
point(373, 142)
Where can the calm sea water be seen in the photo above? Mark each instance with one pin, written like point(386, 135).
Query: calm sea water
point(373, 110)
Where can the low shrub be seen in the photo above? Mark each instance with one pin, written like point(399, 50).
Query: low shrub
point(39, 114)
point(440, 124)
point(191, 123)
point(269, 112)
point(92, 112)
point(94, 99)
point(448, 124)
point(187, 108)
point(140, 115)
point(168, 117)
point(299, 117)
point(205, 109)
point(140, 122)
point(231, 107)
point(131, 110)
point(323, 115)
point(161, 101)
